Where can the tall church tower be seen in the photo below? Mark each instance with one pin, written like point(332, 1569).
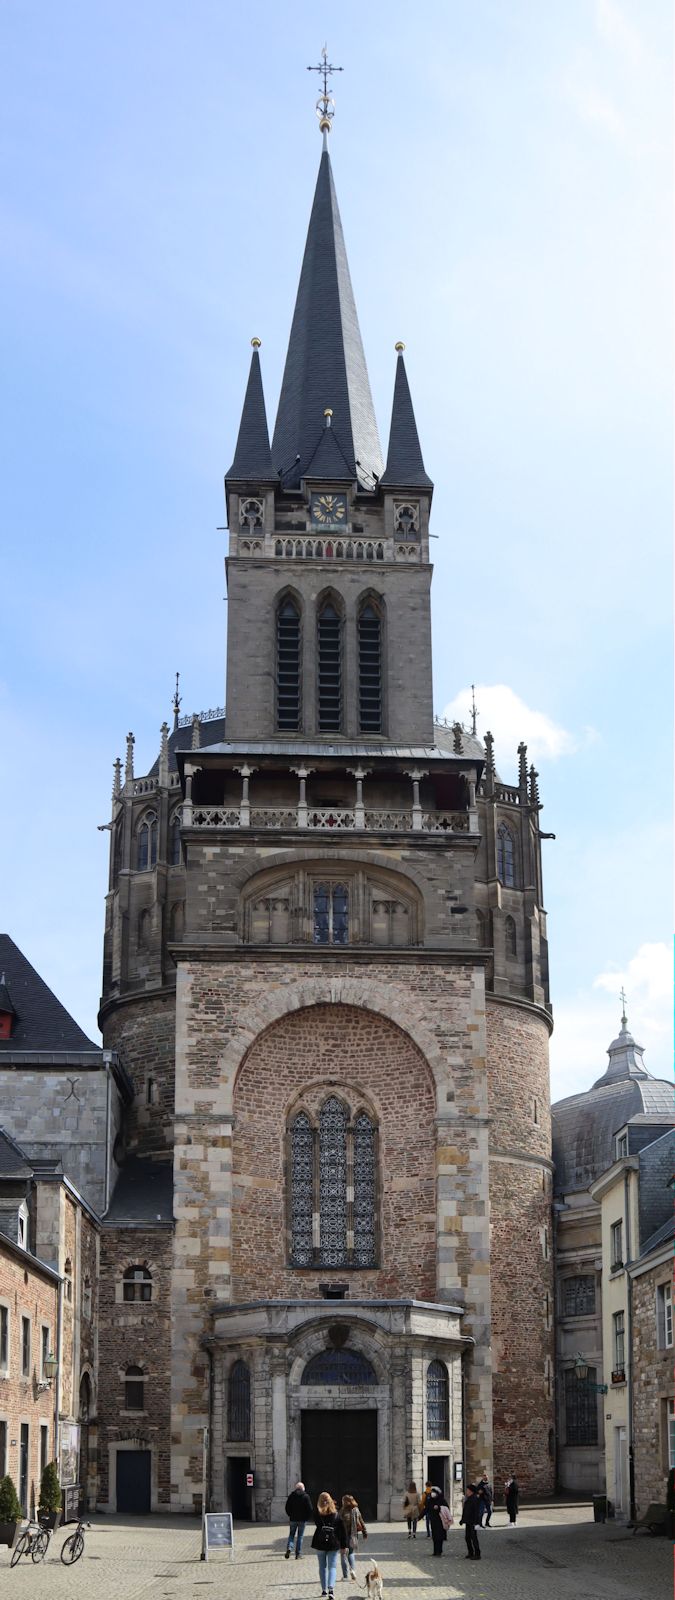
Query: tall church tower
point(357, 1107)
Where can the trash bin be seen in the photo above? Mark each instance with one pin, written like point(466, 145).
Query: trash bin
point(599, 1507)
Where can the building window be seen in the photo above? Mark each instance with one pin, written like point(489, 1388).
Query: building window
point(621, 1146)
point(239, 1402)
point(288, 666)
point(581, 1408)
point(510, 940)
point(333, 1188)
point(137, 1284)
point(331, 913)
point(370, 670)
point(146, 842)
point(22, 1227)
point(3, 1449)
point(4, 1339)
point(438, 1401)
point(174, 840)
point(44, 1446)
point(330, 669)
point(25, 1347)
point(134, 1389)
point(664, 1316)
point(579, 1296)
point(619, 1337)
point(348, 1368)
point(671, 1432)
point(44, 1350)
point(616, 1244)
point(505, 856)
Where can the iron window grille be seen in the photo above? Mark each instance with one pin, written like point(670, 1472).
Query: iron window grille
point(333, 1188)
point(581, 1408)
point(239, 1402)
point(579, 1296)
point(438, 1401)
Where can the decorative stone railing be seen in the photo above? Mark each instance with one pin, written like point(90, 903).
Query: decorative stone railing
point(264, 817)
point(445, 821)
point(389, 821)
point(330, 818)
point(327, 819)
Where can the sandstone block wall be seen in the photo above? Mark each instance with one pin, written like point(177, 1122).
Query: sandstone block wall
point(144, 1031)
point(653, 1390)
point(26, 1292)
point(48, 1120)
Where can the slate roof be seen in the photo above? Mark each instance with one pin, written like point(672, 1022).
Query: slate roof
point(405, 467)
point(13, 1162)
point(657, 1162)
point(41, 1022)
point(213, 739)
point(325, 364)
point(583, 1125)
point(252, 457)
point(143, 1193)
point(661, 1236)
point(212, 732)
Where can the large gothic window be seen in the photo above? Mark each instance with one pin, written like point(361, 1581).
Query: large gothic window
point(330, 669)
point(505, 856)
point(331, 913)
point(438, 1401)
point(370, 670)
point(288, 666)
point(146, 842)
point(239, 1402)
point(333, 1188)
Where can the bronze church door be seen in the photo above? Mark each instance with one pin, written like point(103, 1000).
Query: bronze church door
point(339, 1454)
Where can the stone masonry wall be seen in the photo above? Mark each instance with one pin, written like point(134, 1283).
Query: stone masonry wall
point(135, 1334)
point(523, 1350)
point(653, 1388)
point(41, 1112)
point(144, 1031)
point(26, 1292)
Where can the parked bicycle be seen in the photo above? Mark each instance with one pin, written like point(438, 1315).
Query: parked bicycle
point(72, 1548)
point(34, 1542)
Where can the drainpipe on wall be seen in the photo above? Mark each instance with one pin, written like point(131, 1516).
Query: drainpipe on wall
point(57, 1381)
point(629, 1345)
point(107, 1058)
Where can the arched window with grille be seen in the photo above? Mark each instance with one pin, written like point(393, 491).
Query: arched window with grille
point(333, 1187)
point(136, 1284)
point(438, 1401)
point(370, 669)
point(505, 856)
point(329, 652)
point(134, 1389)
point(146, 842)
point(174, 840)
point(239, 1402)
point(510, 937)
point(288, 665)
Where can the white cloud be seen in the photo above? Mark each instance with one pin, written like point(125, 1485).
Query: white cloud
point(596, 109)
point(585, 1026)
point(509, 720)
point(614, 27)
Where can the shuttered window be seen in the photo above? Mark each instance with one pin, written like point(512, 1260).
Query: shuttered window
point(288, 666)
point(330, 669)
point(370, 670)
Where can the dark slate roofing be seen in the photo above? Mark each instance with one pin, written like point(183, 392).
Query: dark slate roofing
point(325, 364)
point(143, 1193)
point(5, 998)
point(584, 1125)
point(655, 1196)
point(405, 467)
point(13, 1162)
point(212, 731)
point(625, 1058)
point(661, 1236)
point(329, 461)
point(41, 1022)
point(252, 457)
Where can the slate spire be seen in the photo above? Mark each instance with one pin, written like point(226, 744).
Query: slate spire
point(325, 364)
point(252, 457)
point(405, 467)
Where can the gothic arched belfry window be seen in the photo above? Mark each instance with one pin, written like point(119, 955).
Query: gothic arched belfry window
point(333, 1187)
point(505, 856)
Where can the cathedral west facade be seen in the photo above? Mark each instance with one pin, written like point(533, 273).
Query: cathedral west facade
point(326, 975)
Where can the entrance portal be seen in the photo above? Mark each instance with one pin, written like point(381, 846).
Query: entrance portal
point(133, 1481)
point(339, 1454)
point(238, 1491)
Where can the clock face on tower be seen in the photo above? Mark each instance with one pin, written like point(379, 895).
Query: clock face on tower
point(328, 511)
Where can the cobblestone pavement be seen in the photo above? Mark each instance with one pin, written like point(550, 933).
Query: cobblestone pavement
point(554, 1553)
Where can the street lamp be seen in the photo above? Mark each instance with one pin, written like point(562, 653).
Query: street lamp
point(581, 1368)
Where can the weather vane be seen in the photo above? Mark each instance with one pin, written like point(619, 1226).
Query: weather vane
point(325, 105)
point(622, 997)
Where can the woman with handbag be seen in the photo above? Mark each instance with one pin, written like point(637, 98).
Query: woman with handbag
point(329, 1537)
point(412, 1508)
point(353, 1525)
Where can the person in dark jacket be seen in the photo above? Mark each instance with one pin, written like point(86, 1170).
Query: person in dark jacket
point(512, 1499)
point(329, 1538)
point(299, 1510)
point(472, 1511)
point(485, 1496)
point(434, 1500)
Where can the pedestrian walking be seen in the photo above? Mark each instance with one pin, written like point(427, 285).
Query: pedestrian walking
point(299, 1510)
point(434, 1503)
point(511, 1492)
point(353, 1526)
point(424, 1507)
point(329, 1538)
point(486, 1497)
point(471, 1515)
point(411, 1509)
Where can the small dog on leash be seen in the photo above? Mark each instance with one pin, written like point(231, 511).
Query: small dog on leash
point(374, 1582)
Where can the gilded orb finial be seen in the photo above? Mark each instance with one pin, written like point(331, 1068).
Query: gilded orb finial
point(399, 346)
point(256, 343)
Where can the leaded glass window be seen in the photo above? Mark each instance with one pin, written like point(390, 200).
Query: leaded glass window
point(331, 913)
point(146, 845)
point(346, 1367)
point(302, 1190)
point(438, 1401)
point(505, 856)
point(581, 1408)
point(579, 1296)
point(333, 1183)
point(364, 1191)
point(239, 1402)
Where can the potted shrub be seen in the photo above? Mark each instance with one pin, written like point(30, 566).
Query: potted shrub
point(49, 1504)
point(10, 1510)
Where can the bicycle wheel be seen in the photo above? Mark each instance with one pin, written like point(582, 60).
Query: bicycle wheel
point(72, 1549)
point(40, 1545)
point(21, 1548)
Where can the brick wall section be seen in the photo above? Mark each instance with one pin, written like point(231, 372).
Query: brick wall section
point(521, 1248)
point(373, 1064)
point(144, 1031)
point(26, 1292)
point(653, 1387)
point(135, 1334)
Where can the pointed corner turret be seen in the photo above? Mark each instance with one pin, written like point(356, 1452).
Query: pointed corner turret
point(253, 457)
point(405, 466)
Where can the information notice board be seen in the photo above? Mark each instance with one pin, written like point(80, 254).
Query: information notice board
point(217, 1533)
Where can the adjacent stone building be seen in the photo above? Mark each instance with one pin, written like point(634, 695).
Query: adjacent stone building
point(326, 973)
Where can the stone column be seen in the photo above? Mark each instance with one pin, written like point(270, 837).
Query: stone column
point(187, 803)
point(398, 1437)
point(244, 806)
point(280, 1477)
point(302, 773)
point(359, 773)
point(416, 774)
point(473, 813)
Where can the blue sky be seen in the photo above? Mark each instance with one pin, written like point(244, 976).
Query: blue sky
point(504, 175)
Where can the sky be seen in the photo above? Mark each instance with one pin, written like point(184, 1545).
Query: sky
point(504, 174)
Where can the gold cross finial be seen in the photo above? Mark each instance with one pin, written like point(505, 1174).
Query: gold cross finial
point(622, 997)
point(325, 105)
